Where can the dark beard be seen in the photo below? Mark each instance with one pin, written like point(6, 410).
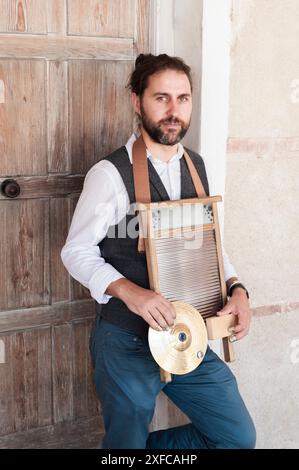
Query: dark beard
point(156, 133)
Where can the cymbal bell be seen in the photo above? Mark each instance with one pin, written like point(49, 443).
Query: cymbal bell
point(182, 348)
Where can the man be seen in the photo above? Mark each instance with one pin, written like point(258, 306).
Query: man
point(126, 375)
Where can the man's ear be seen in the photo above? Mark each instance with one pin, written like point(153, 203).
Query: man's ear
point(136, 103)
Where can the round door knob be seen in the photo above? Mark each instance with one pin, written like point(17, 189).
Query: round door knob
point(10, 188)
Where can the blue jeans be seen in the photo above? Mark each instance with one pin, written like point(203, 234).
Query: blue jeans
point(128, 381)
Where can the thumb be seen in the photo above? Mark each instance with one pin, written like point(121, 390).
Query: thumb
point(225, 311)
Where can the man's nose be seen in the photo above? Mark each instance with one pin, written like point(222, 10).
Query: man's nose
point(173, 109)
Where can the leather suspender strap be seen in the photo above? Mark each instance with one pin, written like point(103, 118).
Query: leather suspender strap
point(195, 176)
point(141, 177)
point(140, 172)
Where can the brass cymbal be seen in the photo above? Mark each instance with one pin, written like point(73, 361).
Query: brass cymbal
point(182, 348)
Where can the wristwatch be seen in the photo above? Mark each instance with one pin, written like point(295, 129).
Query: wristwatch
point(234, 285)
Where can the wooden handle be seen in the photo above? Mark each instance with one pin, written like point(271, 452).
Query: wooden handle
point(228, 350)
point(218, 328)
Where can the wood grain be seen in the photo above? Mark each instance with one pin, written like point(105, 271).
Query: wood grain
point(94, 88)
point(23, 16)
point(63, 106)
point(59, 225)
point(57, 113)
point(113, 18)
point(64, 48)
point(23, 118)
point(26, 381)
point(25, 249)
point(46, 186)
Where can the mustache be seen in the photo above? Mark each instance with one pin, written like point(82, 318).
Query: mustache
point(171, 120)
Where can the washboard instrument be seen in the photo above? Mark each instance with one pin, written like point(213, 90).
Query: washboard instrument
point(182, 243)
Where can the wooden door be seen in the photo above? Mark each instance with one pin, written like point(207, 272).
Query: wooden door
point(63, 106)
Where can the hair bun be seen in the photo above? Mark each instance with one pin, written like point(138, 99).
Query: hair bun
point(142, 58)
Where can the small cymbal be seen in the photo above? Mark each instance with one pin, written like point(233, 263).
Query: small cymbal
point(182, 348)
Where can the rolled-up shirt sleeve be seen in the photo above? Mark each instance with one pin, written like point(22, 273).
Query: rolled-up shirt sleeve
point(101, 204)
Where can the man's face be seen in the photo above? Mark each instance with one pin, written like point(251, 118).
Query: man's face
point(165, 107)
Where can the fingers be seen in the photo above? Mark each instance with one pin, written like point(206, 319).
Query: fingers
point(226, 310)
point(167, 310)
point(159, 318)
point(152, 322)
point(236, 328)
point(238, 332)
point(162, 312)
point(162, 316)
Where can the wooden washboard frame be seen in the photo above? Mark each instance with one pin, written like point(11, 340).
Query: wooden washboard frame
point(184, 258)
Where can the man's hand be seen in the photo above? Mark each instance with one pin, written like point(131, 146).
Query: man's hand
point(238, 305)
point(158, 312)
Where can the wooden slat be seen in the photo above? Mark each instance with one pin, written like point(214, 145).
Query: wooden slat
point(82, 83)
point(25, 380)
point(46, 186)
point(80, 434)
point(24, 234)
point(30, 380)
point(85, 399)
point(144, 27)
point(7, 424)
point(57, 111)
point(59, 224)
point(64, 48)
point(44, 376)
point(180, 202)
point(112, 129)
point(23, 124)
point(57, 20)
point(23, 16)
point(217, 327)
point(62, 373)
point(49, 315)
point(228, 350)
point(114, 18)
point(18, 387)
point(95, 133)
point(219, 253)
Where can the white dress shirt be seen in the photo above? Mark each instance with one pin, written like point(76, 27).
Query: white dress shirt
point(104, 201)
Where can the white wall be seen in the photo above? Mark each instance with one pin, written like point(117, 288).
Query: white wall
point(246, 63)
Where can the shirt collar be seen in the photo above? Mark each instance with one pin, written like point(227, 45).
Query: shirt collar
point(135, 135)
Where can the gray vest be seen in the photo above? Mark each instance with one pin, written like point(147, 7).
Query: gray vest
point(120, 250)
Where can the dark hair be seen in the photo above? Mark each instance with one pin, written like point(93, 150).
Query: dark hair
point(149, 64)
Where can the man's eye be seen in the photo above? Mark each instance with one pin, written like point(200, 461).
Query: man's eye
point(184, 99)
point(161, 98)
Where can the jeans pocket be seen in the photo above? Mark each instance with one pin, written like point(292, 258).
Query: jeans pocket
point(124, 342)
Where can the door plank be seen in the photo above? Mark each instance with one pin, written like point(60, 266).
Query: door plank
point(101, 17)
point(64, 48)
point(23, 124)
point(100, 86)
point(23, 16)
point(57, 112)
point(59, 224)
point(62, 373)
point(46, 186)
point(25, 248)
